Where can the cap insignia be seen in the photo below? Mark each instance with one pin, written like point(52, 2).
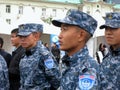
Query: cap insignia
point(110, 16)
point(21, 27)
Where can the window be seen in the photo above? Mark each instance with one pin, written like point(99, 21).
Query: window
point(43, 11)
point(54, 13)
point(33, 8)
point(8, 21)
point(20, 10)
point(8, 9)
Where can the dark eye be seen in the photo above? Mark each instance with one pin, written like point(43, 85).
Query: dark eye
point(13, 36)
point(65, 28)
point(110, 28)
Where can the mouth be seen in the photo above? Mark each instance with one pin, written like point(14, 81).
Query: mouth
point(23, 43)
point(109, 37)
point(60, 42)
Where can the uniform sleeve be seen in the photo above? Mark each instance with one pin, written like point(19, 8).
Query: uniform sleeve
point(4, 81)
point(90, 71)
point(52, 72)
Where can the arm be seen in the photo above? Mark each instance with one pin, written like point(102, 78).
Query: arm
point(51, 70)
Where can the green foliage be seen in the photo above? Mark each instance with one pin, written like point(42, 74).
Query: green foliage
point(47, 20)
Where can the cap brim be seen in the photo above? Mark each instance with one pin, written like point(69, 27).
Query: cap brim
point(57, 23)
point(24, 33)
point(103, 26)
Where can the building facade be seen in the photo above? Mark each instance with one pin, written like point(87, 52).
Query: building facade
point(15, 12)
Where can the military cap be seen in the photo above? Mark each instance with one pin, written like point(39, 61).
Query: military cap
point(27, 29)
point(112, 20)
point(78, 18)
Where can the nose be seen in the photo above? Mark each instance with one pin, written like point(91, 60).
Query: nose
point(60, 35)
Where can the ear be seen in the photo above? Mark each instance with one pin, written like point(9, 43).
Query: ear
point(35, 36)
point(81, 35)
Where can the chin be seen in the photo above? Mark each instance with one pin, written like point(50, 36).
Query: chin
point(61, 48)
point(109, 43)
point(24, 46)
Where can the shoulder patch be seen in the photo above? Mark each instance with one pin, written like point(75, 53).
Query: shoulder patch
point(86, 82)
point(49, 63)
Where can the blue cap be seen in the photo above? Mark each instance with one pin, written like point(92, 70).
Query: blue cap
point(111, 20)
point(27, 29)
point(78, 18)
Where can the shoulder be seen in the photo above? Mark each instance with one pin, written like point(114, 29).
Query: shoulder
point(92, 63)
point(1, 58)
point(3, 52)
point(2, 61)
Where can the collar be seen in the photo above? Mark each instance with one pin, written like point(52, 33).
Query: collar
point(28, 52)
point(31, 51)
point(80, 55)
point(114, 52)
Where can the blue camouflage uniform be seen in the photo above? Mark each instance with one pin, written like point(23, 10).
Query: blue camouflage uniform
point(38, 69)
point(110, 67)
point(4, 81)
point(80, 71)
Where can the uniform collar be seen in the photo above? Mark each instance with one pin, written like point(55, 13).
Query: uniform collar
point(31, 51)
point(114, 52)
point(80, 55)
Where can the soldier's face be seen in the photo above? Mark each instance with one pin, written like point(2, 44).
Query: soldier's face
point(69, 38)
point(29, 41)
point(112, 36)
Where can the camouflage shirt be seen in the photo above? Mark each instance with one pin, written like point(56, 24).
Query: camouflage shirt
point(39, 70)
point(4, 81)
point(80, 72)
point(110, 70)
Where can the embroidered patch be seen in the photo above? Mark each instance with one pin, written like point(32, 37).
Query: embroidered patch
point(86, 82)
point(49, 63)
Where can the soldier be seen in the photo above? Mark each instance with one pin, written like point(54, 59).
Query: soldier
point(4, 81)
point(110, 67)
point(80, 69)
point(38, 69)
